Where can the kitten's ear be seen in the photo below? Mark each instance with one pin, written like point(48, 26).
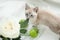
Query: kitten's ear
point(27, 6)
point(36, 9)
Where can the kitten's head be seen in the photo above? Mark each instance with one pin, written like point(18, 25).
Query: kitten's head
point(31, 13)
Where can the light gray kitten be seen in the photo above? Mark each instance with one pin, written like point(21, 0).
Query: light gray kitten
point(37, 16)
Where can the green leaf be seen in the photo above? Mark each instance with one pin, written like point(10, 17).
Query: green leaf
point(18, 38)
point(23, 31)
point(23, 23)
point(4, 38)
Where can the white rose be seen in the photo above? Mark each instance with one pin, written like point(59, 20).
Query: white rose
point(10, 29)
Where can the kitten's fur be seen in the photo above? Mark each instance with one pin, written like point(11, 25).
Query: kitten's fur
point(37, 16)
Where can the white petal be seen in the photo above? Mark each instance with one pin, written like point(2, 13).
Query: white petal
point(10, 29)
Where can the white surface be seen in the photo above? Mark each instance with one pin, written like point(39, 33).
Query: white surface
point(15, 9)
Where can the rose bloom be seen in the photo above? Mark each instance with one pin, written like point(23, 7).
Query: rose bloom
point(10, 29)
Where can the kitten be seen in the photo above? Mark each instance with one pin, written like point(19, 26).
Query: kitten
point(37, 16)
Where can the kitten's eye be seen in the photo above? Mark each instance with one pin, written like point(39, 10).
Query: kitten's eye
point(31, 15)
point(26, 14)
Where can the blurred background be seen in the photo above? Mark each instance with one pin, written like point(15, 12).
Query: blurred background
point(51, 5)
